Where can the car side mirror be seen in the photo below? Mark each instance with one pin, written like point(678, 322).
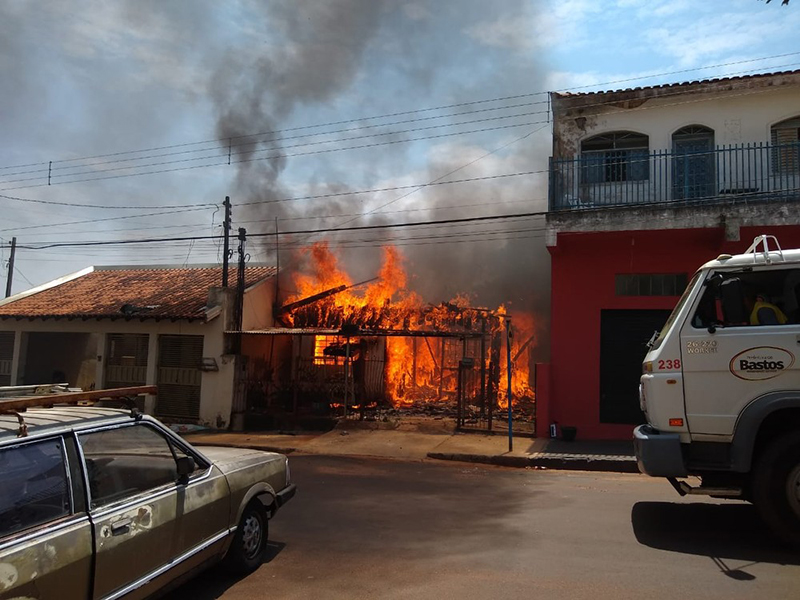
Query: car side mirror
point(185, 466)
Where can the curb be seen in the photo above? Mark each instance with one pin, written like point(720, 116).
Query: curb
point(622, 465)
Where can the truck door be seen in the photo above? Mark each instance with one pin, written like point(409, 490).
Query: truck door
point(729, 361)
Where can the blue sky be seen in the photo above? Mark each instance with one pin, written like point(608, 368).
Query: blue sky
point(89, 78)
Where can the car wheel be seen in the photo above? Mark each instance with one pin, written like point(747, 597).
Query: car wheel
point(776, 487)
point(250, 542)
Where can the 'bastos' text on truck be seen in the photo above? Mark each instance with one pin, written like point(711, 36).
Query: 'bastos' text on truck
point(721, 386)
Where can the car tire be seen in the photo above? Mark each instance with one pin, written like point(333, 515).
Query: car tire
point(776, 488)
point(250, 541)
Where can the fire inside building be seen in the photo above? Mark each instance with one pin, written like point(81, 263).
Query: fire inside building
point(367, 349)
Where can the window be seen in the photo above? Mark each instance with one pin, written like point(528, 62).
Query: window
point(786, 146)
point(617, 156)
point(650, 284)
point(126, 461)
point(743, 298)
point(35, 488)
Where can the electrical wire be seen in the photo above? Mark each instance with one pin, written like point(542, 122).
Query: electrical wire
point(422, 110)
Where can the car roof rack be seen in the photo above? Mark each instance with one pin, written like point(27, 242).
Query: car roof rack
point(17, 406)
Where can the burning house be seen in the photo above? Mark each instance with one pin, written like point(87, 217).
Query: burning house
point(359, 350)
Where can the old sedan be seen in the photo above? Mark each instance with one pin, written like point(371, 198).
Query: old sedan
point(105, 503)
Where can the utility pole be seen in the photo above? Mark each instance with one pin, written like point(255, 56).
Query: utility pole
point(226, 244)
point(239, 314)
point(10, 277)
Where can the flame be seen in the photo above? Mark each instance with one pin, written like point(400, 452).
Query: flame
point(413, 369)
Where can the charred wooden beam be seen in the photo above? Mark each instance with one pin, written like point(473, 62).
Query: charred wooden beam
point(287, 308)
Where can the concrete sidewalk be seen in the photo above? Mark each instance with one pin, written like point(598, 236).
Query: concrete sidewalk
point(431, 439)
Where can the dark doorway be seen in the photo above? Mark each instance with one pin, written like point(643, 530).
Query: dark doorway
point(623, 338)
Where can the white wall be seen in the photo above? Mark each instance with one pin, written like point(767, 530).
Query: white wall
point(738, 117)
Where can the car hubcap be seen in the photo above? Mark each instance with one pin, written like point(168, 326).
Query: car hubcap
point(251, 536)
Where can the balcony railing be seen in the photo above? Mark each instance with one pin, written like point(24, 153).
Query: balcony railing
point(635, 177)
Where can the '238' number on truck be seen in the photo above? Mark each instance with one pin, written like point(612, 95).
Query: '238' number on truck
point(669, 364)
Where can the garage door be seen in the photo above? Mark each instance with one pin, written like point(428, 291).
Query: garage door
point(623, 338)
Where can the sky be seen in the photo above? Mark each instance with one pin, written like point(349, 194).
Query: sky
point(133, 119)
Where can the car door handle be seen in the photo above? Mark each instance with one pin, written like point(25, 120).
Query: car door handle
point(120, 527)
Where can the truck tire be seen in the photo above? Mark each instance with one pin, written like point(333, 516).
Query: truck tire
point(776, 487)
point(250, 541)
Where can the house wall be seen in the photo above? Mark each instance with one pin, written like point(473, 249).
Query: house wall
point(584, 266)
point(216, 386)
point(740, 115)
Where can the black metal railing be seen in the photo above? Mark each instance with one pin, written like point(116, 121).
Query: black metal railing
point(631, 177)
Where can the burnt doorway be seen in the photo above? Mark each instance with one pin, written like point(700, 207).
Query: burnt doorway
point(623, 345)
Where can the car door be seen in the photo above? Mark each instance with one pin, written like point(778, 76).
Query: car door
point(148, 527)
point(729, 362)
point(45, 533)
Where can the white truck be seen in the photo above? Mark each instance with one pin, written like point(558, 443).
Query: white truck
point(720, 387)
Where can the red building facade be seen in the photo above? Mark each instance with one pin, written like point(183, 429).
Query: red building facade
point(638, 201)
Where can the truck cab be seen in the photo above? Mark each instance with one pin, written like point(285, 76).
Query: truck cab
point(720, 385)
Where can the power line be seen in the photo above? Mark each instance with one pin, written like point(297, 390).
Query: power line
point(288, 155)
point(415, 111)
point(101, 206)
point(82, 222)
point(358, 147)
point(45, 245)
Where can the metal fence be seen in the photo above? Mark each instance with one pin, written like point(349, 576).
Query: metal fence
point(620, 177)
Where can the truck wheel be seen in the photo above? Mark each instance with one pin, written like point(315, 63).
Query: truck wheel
point(250, 541)
point(776, 487)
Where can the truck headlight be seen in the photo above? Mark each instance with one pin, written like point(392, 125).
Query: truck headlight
point(288, 472)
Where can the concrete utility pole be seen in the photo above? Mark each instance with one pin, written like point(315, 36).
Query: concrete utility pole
point(226, 226)
point(10, 277)
point(239, 314)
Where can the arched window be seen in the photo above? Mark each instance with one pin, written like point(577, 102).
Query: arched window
point(615, 156)
point(786, 146)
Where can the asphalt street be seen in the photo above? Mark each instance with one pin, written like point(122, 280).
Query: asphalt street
point(371, 528)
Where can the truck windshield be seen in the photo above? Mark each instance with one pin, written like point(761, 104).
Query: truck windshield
point(674, 314)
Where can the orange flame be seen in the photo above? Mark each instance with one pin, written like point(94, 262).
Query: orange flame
point(414, 371)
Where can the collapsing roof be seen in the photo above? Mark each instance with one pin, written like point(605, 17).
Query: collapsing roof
point(128, 292)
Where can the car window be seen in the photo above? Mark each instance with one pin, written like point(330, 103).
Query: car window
point(126, 461)
point(35, 488)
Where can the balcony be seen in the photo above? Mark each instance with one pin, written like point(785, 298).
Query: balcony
point(746, 172)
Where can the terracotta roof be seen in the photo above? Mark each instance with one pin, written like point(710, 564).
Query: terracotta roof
point(681, 84)
point(126, 292)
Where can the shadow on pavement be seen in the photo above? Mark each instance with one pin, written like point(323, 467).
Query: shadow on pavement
point(718, 531)
point(214, 582)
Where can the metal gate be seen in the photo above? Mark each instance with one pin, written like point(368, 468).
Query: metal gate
point(6, 355)
point(179, 376)
point(126, 360)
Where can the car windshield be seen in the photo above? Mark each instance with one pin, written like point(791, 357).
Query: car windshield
point(674, 314)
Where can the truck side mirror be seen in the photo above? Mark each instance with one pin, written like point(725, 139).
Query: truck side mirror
point(732, 298)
